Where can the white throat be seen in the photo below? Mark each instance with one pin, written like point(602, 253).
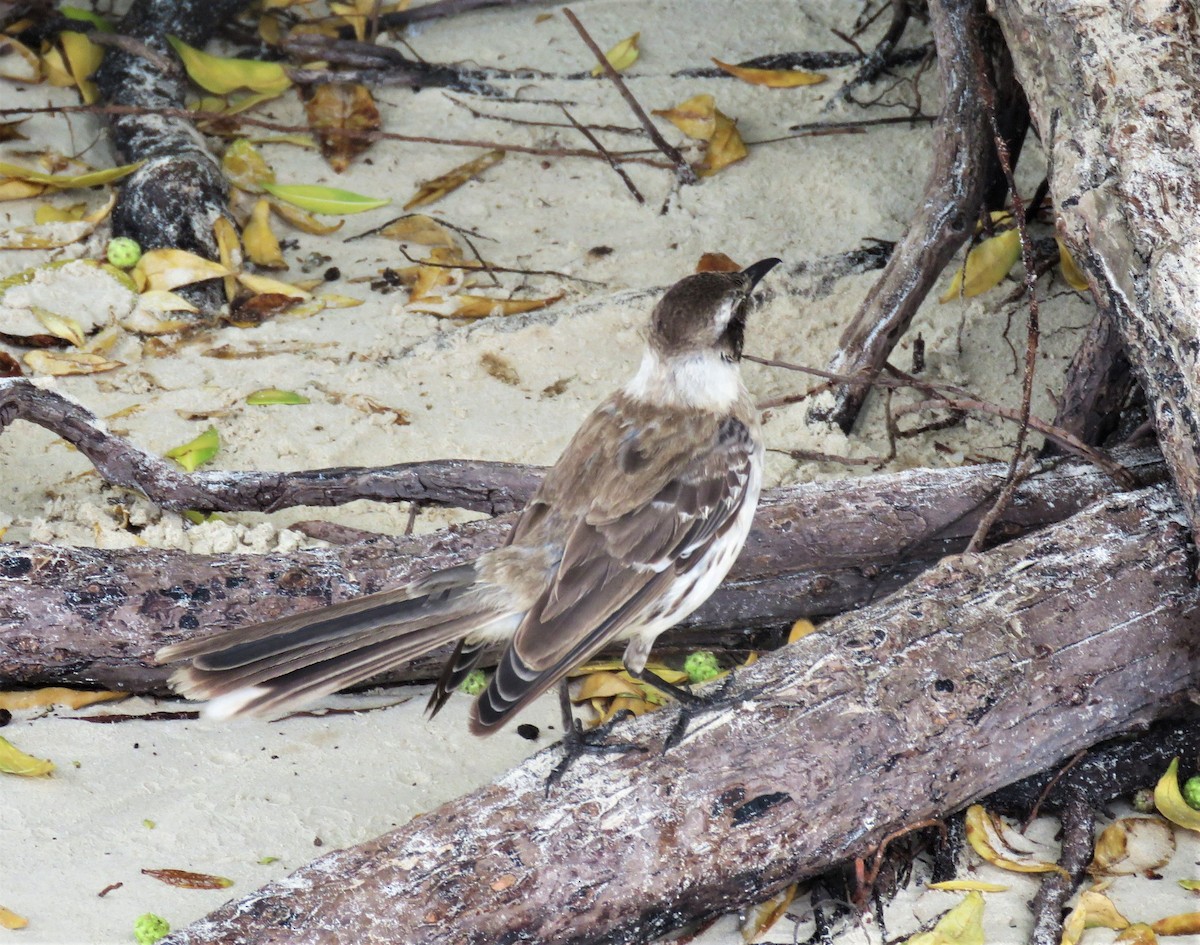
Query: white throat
point(702, 380)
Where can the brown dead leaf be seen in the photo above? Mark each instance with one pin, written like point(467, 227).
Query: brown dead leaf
point(717, 262)
point(251, 311)
point(10, 366)
point(341, 114)
point(438, 187)
point(420, 229)
point(1185, 923)
point(1132, 845)
point(186, 879)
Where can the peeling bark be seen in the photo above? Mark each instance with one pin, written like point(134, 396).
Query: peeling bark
point(908, 709)
point(1114, 96)
point(92, 617)
point(174, 198)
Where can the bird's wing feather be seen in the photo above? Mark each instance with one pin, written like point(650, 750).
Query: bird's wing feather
point(622, 553)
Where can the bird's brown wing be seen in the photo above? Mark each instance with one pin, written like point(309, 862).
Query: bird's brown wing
point(625, 551)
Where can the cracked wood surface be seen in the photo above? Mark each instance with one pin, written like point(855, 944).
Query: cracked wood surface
point(984, 670)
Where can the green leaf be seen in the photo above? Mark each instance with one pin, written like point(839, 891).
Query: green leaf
point(330, 200)
point(269, 396)
point(198, 451)
point(222, 76)
point(87, 16)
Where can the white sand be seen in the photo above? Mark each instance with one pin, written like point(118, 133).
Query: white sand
point(223, 797)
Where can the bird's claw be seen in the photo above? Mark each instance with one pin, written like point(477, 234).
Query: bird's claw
point(579, 741)
point(689, 709)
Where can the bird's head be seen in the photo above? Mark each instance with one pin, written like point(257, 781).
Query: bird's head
point(706, 312)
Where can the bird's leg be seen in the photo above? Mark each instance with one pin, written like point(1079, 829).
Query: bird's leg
point(579, 741)
point(690, 704)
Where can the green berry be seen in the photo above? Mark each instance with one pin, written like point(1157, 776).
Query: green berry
point(1143, 801)
point(475, 682)
point(124, 252)
point(149, 928)
point(1191, 792)
point(701, 666)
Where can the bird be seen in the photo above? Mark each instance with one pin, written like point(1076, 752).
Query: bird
point(630, 531)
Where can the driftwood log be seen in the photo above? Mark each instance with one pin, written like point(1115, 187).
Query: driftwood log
point(92, 617)
point(985, 669)
point(174, 198)
point(1114, 96)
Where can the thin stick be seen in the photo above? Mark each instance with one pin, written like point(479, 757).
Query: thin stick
point(636, 157)
point(1011, 480)
point(682, 168)
point(604, 151)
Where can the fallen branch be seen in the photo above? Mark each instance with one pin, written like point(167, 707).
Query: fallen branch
point(946, 216)
point(1046, 646)
point(1113, 97)
point(94, 617)
point(176, 196)
point(1098, 383)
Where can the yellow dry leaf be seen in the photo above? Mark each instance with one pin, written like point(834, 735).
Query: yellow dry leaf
point(1132, 845)
point(55, 69)
point(696, 118)
point(333, 300)
point(1071, 272)
point(229, 252)
point(418, 228)
point(1137, 934)
point(18, 62)
point(967, 885)
point(222, 76)
point(800, 629)
point(962, 925)
point(260, 243)
point(356, 13)
point(244, 167)
point(60, 326)
point(986, 265)
point(772, 78)
point(48, 213)
point(56, 695)
point(302, 221)
point(13, 189)
point(171, 268)
point(261, 285)
point(477, 306)
point(83, 58)
point(621, 56)
point(985, 834)
point(11, 921)
point(605, 686)
point(438, 187)
point(759, 918)
point(342, 115)
point(726, 146)
point(1185, 923)
point(15, 761)
point(1169, 800)
point(63, 363)
point(441, 274)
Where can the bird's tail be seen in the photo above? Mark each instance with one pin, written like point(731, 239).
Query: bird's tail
point(277, 666)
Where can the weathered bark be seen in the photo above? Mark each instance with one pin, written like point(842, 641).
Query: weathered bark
point(174, 198)
point(962, 154)
point(1115, 99)
point(1097, 385)
point(91, 617)
point(984, 670)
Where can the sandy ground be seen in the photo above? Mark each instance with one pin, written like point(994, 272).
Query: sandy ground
point(223, 797)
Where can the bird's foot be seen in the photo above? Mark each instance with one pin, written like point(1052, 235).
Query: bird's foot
point(579, 741)
point(694, 706)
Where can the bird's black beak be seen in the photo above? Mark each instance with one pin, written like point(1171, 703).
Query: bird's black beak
point(755, 272)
